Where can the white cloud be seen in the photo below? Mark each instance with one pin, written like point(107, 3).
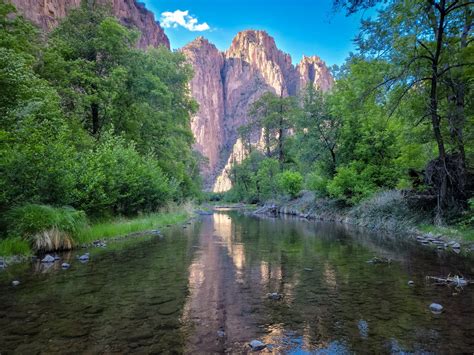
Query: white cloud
point(182, 18)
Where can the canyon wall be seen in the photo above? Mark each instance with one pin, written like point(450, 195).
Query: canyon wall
point(226, 84)
point(47, 13)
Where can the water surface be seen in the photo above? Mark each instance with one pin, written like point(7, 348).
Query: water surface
point(202, 288)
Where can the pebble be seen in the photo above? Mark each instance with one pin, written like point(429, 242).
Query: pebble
point(84, 257)
point(436, 308)
point(257, 345)
point(220, 333)
point(65, 265)
point(15, 282)
point(274, 296)
point(411, 283)
point(456, 246)
point(308, 269)
point(48, 259)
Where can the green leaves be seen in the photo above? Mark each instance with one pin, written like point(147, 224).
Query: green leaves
point(92, 122)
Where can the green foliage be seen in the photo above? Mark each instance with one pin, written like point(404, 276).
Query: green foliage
point(14, 246)
point(290, 182)
point(114, 178)
point(17, 34)
point(317, 183)
point(92, 122)
point(266, 178)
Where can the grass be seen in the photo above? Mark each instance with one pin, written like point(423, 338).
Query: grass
point(14, 246)
point(454, 232)
point(124, 226)
point(33, 228)
point(46, 228)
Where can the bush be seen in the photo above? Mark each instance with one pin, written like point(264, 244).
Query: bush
point(115, 179)
point(317, 183)
point(44, 227)
point(350, 186)
point(290, 182)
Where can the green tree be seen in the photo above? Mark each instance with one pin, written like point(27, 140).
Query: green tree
point(85, 60)
point(427, 43)
point(317, 130)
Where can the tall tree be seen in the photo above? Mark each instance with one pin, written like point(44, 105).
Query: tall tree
point(427, 43)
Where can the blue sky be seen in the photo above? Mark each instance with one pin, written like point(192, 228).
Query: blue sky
point(299, 27)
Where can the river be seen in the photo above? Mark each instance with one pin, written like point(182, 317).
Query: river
point(202, 288)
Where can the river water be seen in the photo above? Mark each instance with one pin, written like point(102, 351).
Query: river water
point(202, 288)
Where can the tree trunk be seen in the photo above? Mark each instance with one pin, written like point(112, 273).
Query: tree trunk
point(95, 118)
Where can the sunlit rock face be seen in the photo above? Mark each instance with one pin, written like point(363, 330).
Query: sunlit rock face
point(225, 86)
point(208, 89)
point(312, 70)
point(47, 14)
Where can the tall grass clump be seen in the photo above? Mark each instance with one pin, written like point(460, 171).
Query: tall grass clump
point(46, 228)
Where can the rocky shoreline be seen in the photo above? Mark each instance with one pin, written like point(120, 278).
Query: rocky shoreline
point(309, 207)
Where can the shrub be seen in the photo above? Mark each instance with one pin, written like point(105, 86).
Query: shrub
point(317, 183)
point(350, 186)
point(290, 182)
point(46, 228)
point(114, 178)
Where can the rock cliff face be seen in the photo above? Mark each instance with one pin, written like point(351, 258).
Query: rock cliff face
point(226, 84)
point(47, 13)
point(207, 88)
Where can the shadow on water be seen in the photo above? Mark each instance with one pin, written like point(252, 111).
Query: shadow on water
point(203, 289)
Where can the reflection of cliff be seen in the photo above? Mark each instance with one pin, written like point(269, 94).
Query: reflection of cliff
point(226, 84)
point(47, 13)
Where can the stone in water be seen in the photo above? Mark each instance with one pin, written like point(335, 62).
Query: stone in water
point(257, 345)
point(436, 308)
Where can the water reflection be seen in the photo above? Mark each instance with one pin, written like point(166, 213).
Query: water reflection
point(204, 290)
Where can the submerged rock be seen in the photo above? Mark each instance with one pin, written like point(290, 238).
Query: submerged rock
point(3, 264)
point(436, 308)
point(84, 257)
point(48, 259)
point(257, 345)
point(376, 260)
point(274, 296)
point(363, 328)
point(99, 244)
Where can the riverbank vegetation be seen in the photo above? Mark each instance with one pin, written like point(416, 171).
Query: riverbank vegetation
point(399, 118)
point(91, 127)
point(39, 228)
